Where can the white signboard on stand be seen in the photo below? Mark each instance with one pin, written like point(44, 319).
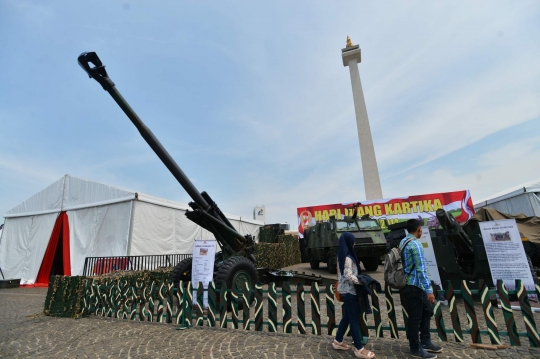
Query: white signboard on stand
point(204, 254)
point(429, 254)
point(505, 252)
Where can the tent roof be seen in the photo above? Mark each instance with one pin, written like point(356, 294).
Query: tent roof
point(70, 193)
point(527, 187)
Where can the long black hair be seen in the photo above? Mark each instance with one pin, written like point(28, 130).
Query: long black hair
point(346, 248)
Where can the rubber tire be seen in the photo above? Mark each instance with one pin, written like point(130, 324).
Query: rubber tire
point(314, 264)
point(226, 272)
point(182, 271)
point(228, 269)
point(331, 266)
point(371, 264)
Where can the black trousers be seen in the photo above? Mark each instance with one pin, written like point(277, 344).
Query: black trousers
point(420, 312)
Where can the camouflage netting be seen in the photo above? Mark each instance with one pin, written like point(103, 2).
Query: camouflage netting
point(270, 255)
point(284, 253)
point(292, 249)
point(269, 234)
point(65, 296)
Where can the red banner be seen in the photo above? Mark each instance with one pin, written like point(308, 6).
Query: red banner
point(422, 207)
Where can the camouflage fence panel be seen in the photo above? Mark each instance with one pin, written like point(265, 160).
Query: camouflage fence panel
point(169, 301)
point(363, 321)
point(450, 296)
point(474, 329)
point(488, 313)
point(376, 313)
point(258, 307)
point(211, 318)
point(437, 315)
point(287, 307)
point(160, 301)
point(272, 308)
point(223, 306)
point(180, 301)
point(143, 299)
point(199, 321)
point(234, 306)
point(391, 309)
point(188, 305)
point(301, 309)
point(112, 294)
point(246, 300)
point(330, 309)
point(315, 309)
point(507, 313)
point(132, 297)
point(528, 318)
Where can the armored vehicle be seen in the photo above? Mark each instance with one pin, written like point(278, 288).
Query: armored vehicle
point(322, 242)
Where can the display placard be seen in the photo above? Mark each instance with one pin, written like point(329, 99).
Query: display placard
point(506, 255)
point(429, 254)
point(204, 254)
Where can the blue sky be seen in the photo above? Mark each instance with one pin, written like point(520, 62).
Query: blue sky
point(253, 102)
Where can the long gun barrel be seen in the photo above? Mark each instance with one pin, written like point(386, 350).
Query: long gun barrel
point(206, 213)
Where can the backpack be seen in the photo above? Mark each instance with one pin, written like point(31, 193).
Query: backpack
point(394, 274)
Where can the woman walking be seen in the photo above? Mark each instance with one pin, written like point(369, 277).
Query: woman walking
point(349, 268)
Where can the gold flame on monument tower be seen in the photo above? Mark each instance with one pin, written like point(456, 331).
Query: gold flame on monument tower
point(349, 42)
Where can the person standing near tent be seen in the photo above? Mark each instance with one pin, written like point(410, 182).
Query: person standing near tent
point(349, 268)
point(419, 294)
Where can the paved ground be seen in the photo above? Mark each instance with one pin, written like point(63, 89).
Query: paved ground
point(25, 332)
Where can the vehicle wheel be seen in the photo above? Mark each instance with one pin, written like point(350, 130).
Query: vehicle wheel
point(235, 272)
point(371, 264)
point(182, 271)
point(332, 266)
point(314, 264)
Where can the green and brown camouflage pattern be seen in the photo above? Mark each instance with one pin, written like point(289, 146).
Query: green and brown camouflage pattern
point(323, 241)
point(284, 253)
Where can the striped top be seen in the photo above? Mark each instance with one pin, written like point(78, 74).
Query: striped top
point(414, 264)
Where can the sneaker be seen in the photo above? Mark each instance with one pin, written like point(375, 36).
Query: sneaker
point(432, 348)
point(340, 346)
point(421, 353)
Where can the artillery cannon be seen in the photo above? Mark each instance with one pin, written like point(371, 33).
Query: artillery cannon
point(459, 250)
point(235, 264)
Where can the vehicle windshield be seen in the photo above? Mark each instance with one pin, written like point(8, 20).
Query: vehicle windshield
point(343, 225)
point(369, 224)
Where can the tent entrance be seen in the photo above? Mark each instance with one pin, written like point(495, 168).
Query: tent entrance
point(56, 260)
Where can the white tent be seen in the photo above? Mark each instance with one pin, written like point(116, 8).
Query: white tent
point(91, 219)
point(521, 199)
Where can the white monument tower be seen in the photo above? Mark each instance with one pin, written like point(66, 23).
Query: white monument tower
point(351, 57)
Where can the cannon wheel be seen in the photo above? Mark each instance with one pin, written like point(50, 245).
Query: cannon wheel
point(314, 264)
point(371, 264)
point(182, 271)
point(236, 271)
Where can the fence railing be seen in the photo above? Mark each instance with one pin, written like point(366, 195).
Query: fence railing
point(160, 301)
point(102, 265)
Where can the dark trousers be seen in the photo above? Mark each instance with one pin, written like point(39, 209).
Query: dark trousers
point(420, 312)
point(351, 318)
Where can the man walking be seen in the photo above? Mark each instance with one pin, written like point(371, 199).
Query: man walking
point(420, 298)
